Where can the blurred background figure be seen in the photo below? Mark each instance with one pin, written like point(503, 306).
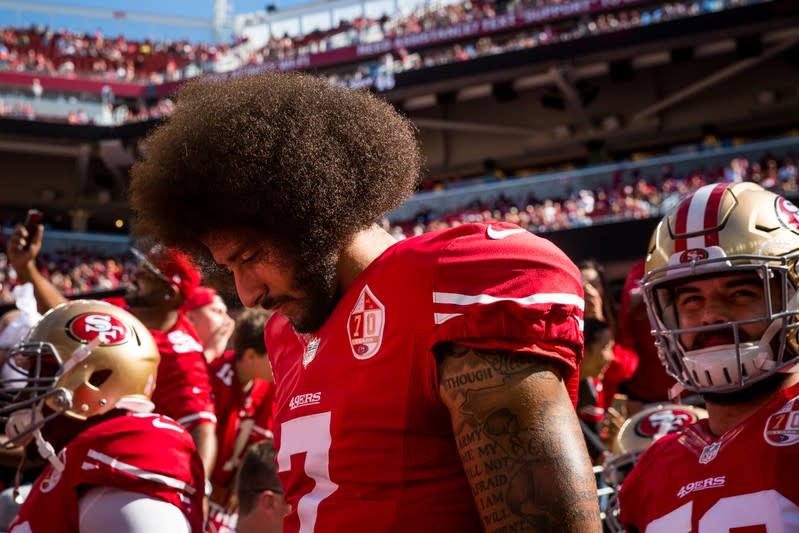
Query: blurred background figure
point(258, 490)
point(14, 327)
point(600, 304)
point(207, 312)
point(241, 381)
point(590, 398)
point(649, 383)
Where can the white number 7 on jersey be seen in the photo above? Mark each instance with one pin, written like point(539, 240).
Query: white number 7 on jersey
point(310, 434)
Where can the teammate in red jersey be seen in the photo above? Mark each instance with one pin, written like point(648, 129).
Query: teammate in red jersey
point(721, 290)
point(208, 315)
point(77, 392)
point(243, 395)
point(422, 385)
point(163, 281)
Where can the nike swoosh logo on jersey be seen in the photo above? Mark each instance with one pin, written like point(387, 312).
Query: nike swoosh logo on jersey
point(166, 425)
point(498, 234)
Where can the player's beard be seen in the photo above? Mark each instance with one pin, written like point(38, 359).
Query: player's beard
point(318, 284)
point(763, 388)
point(136, 299)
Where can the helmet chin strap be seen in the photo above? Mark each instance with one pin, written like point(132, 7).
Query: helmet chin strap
point(47, 451)
point(20, 424)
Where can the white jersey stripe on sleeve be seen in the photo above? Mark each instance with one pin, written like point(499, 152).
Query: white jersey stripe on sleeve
point(204, 415)
point(440, 318)
point(534, 299)
point(138, 472)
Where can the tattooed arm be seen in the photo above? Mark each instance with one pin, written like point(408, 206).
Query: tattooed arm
point(519, 440)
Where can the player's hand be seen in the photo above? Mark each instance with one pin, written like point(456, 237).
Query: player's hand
point(218, 342)
point(232, 506)
point(611, 425)
point(18, 256)
point(593, 302)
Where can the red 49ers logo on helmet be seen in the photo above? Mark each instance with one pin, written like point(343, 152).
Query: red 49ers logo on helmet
point(787, 213)
point(694, 254)
point(88, 326)
point(664, 422)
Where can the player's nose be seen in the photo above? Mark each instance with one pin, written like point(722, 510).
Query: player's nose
point(249, 291)
point(715, 311)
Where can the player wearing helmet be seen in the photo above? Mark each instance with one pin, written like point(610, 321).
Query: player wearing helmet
point(77, 391)
point(635, 436)
point(721, 291)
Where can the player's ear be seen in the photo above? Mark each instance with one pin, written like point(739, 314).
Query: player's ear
point(269, 502)
point(173, 296)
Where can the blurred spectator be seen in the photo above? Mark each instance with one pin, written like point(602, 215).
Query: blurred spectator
point(590, 396)
point(37, 89)
point(207, 312)
point(599, 302)
point(260, 496)
point(241, 381)
point(650, 383)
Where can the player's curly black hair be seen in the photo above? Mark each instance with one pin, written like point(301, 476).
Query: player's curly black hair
point(286, 156)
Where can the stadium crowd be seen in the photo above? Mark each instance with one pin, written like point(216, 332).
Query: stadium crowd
point(63, 53)
point(488, 45)
point(647, 196)
point(76, 114)
point(73, 272)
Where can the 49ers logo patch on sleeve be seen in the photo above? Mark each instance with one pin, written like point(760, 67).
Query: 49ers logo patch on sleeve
point(365, 325)
point(88, 326)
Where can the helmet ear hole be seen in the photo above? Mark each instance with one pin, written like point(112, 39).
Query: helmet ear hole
point(99, 377)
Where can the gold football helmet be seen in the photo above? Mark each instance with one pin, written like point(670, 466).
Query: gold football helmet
point(82, 359)
point(636, 435)
point(726, 228)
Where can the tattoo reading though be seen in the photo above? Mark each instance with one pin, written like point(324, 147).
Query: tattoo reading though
point(519, 440)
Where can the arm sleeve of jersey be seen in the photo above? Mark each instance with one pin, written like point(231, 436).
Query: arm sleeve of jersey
point(104, 509)
point(518, 293)
point(183, 392)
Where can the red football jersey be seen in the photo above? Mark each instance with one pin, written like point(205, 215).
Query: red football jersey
point(143, 453)
point(364, 441)
point(244, 416)
point(182, 388)
point(693, 482)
